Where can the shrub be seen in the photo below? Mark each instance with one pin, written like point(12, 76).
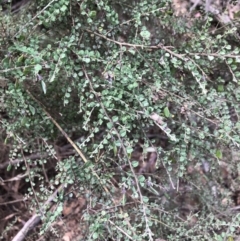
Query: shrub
point(122, 78)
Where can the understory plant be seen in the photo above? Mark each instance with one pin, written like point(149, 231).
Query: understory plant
point(113, 78)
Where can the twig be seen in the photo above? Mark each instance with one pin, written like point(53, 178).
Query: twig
point(170, 178)
point(235, 208)
point(165, 48)
point(36, 218)
point(19, 160)
point(10, 202)
point(196, 2)
point(11, 69)
point(67, 137)
point(230, 69)
point(16, 178)
point(122, 231)
point(30, 179)
point(215, 55)
point(125, 153)
point(123, 43)
point(31, 20)
point(159, 46)
point(63, 152)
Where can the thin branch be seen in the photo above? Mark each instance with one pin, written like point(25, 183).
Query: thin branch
point(64, 151)
point(76, 148)
point(125, 153)
point(16, 178)
point(165, 48)
point(121, 230)
point(11, 69)
point(36, 218)
point(215, 55)
point(123, 43)
point(19, 160)
point(31, 20)
point(233, 75)
point(11, 202)
point(30, 179)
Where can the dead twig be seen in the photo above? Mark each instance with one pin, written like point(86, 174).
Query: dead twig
point(19, 160)
point(11, 202)
point(159, 46)
point(144, 209)
point(36, 218)
point(64, 151)
point(76, 148)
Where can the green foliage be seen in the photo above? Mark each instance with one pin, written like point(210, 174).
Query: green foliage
point(102, 69)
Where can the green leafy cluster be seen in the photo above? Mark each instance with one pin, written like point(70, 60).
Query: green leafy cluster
point(102, 69)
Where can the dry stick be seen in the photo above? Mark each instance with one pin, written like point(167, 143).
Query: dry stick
point(233, 76)
point(10, 202)
point(16, 178)
point(165, 48)
point(10, 69)
point(169, 51)
point(96, 95)
point(122, 43)
point(121, 230)
point(131, 167)
point(36, 218)
point(66, 136)
point(216, 55)
point(19, 160)
point(159, 46)
point(35, 156)
point(31, 20)
point(196, 2)
point(30, 180)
